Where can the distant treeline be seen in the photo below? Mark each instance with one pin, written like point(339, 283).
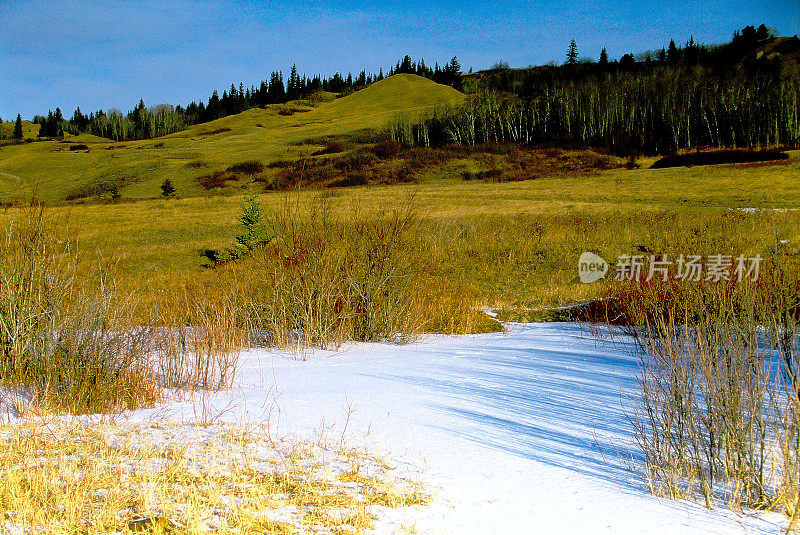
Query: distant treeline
point(139, 123)
point(724, 95)
point(144, 123)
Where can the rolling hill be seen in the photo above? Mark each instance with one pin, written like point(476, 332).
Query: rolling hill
point(86, 166)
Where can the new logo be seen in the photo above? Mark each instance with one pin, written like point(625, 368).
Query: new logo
point(591, 268)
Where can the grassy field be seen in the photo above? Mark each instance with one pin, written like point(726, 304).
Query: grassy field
point(421, 240)
point(53, 172)
point(508, 244)
point(516, 244)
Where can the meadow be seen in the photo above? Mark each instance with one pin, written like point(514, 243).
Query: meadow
point(87, 167)
point(516, 244)
point(512, 220)
point(434, 235)
point(365, 239)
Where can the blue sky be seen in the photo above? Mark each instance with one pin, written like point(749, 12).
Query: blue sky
point(111, 53)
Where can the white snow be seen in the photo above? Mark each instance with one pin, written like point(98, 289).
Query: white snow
point(519, 432)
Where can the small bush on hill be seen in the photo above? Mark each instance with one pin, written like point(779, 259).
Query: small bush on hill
point(404, 174)
point(288, 112)
point(719, 157)
point(333, 147)
point(388, 148)
point(280, 164)
point(104, 188)
point(489, 175)
point(246, 168)
point(167, 189)
point(196, 164)
point(349, 180)
point(249, 170)
point(355, 161)
point(217, 179)
point(221, 130)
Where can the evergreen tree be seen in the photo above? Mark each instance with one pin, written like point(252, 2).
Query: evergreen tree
point(256, 232)
point(52, 125)
point(691, 53)
point(749, 35)
point(44, 124)
point(277, 91)
point(406, 67)
point(18, 128)
point(603, 57)
point(167, 189)
point(572, 53)
point(293, 84)
point(262, 94)
point(79, 121)
point(673, 54)
point(421, 67)
point(335, 84)
point(452, 73)
point(213, 109)
point(141, 121)
point(627, 62)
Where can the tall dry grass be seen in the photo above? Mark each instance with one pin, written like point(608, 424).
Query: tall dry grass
point(75, 343)
point(60, 336)
point(195, 339)
point(81, 345)
point(325, 280)
point(718, 410)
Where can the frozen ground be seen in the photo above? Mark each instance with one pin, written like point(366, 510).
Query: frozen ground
point(522, 432)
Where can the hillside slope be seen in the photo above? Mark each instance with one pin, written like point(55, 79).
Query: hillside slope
point(58, 171)
point(783, 49)
point(402, 93)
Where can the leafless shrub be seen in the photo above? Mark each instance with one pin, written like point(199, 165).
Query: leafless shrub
point(60, 336)
point(718, 412)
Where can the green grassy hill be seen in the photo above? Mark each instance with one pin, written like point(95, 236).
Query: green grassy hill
point(58, 171)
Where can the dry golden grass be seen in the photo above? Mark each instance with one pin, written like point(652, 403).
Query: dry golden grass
point(512, 245)
point(509, 245)
point(67, 476)
point(74, 343)
point(718, 413)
